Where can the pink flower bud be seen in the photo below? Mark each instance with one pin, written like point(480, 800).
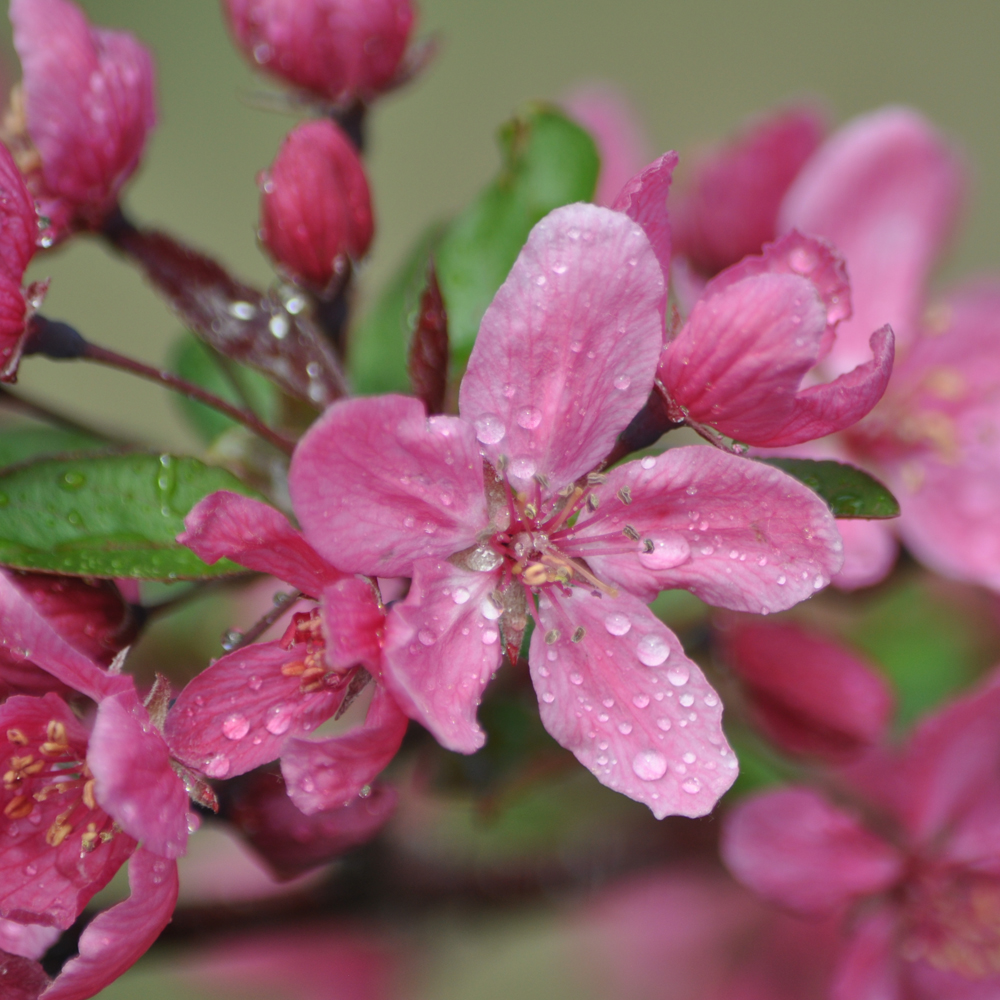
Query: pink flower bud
point(315, 206)
point(88, 104)
point(337, 49)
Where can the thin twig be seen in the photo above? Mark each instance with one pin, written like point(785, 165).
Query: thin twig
point(42, 412)
point(282, 603)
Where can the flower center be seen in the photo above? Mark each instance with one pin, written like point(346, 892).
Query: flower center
point(304, 638)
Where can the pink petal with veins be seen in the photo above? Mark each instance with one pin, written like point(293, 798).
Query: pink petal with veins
point(731, 208)
point(884, 190)
point(644, 200)
point(615, 688)
point(117, 938)
point(376, 485)
point(868, 968)
point(18, 230)
point(353, 623)
point(135, 781)
point(442, 646)
point(241, 711)
point(870, 551)
point(796, 849)
point(26, 940)
point(737, 533)
point(257, 536)
point(330, 773)
point(567, 350)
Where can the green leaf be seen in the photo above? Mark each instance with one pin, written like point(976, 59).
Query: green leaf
point(110, 516)
point(21, 443)
point(194, 361)
point(548, 161)
point(849, 492)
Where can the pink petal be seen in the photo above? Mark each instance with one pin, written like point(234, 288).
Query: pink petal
point(257, 536)
point(609, 117)
point(615, 688)
point(89, 101)
point(736, 533)
point(26, 635)
point(135, 781)
point(23, 979)
point(731, 208)
point(869, 969)
point(441, 650)
point(809, 694)
point(884, 190)
point(644, 200)
point(240, 712)
point(567, 350)
point(794, 848)
point(18, 230)
point(293, 843)
point(376, 485)
point(116, 939)
point(26, 940)
point(332, 773)
point(353, 622)
point(870, 551)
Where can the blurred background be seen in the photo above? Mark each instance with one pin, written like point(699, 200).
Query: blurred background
point(692, 72)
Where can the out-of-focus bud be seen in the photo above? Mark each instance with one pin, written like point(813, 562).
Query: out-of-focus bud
point(79, 121)
point(315, 207)
point(807, 693)
point(339, 50)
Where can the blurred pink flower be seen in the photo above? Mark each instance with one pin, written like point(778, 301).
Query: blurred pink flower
point(315, 208)
point(565, 357)
point(88, 106)
point(255, 704)
point(914, 866)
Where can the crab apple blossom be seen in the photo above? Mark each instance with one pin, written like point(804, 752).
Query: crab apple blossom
point(337, 50)
point(266, 697)
point(315, 207)
point(503, 506)
point(914, 862)
point(80, 119)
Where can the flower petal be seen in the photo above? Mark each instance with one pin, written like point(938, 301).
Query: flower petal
point(135, 781)
point(240, 712)
point(868, 968)
point(884, 190)
point(736, 533)
point(117, 938)
point(441, 651)
point(257, 536)
point(870, 551)
point(376, 485)
point(23, 978)
point(26, 940)
point(644, 200)
point(794, 848)
point(331, 773)
point(567, 349)
point(353, 622)
point(615, 688)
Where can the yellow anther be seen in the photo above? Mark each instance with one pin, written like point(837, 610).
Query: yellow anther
point(88, 794)
point(295, 669)
point(17, 737)
point(19, 807)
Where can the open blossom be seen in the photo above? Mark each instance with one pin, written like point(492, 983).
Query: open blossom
point(315, 207)
point(79, 122)
point(339, 50)
point(502, 507)
point(258, 703)
point(916, 866)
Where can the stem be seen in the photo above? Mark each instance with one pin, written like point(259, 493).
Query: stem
point(103, 356)
point(40, 411)
point(281, 605)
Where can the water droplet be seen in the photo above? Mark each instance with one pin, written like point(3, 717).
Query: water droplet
point(622, 382)
point(663, 724)
point(576, 679)
point(648, 461)
point(529, 418)
point(483, 559)
point(279, 719)
point(523, 468)
point(279, 326)
point(426, 637)
point(490, 429)
point(688, 758)
point(548, 697)
point(819, 583)
point(576, 347)
point(624, 728)
point(780, 581)
point(254, 683)
point(72, 480)
point(489, 610)
point(30, 870)
point(218, 766)
point(617, 623)
point(801, 261)
point(649, 765)
point(640, 700)
point(687, 700)
point(230, 639)
point(241, 310)
point(691, 786)
point(669, 550)
point(461, 595)
point(551, 656)
point(652, 650)
point(235, 727)
point(490, 636)
point(679, 675)
point(608, 702)
point(711, 700)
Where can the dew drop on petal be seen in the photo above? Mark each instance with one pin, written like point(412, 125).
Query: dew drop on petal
point(279, 719)
point(663, 724)
point(548, 697)
point(622, 382)
point(490, 429)
point(640, 700)
point(461, 595)
point(490, 636)
point(523, 468)
point(218, 766)
point(624, 728)
point(691, 786)
point(652, 650)
point(687, 700)
point(669, 550)
point(688, 758)
point(678, 675)
point(648, 462)
point(426, 637)
point(254, 683)
point(489, 610)
point(576, 679)
point(617, 623)
point(235, 727)
point(649, 765)
point(529, 418)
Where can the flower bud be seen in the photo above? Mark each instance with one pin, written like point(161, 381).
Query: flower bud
point(338, 50)
point(315, 207)
point(86, 105)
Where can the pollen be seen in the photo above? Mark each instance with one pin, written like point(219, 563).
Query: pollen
point(19, 807)
point(16, 737)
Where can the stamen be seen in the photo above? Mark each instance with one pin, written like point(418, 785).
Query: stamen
point(19, 807)
point(578, 634)
point(552, 636)
point(625, 495)
point(596, 478)
point(16, 737)
point(629, 532)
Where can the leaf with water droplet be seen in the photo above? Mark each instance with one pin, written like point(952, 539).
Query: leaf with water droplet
point(108, 515)
point(849, 492)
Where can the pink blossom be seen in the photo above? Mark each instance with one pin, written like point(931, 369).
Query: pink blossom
point(264, 698)
point(339, 50)
point(913, 862)
point(315, 207)
point(88, 105)
point(501, 506)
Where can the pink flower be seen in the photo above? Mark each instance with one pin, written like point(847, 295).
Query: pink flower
point(914, 864)
point(256, 704)
point(501, 506)
point(88, 105)
point(315, 207)
point(339, 50)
